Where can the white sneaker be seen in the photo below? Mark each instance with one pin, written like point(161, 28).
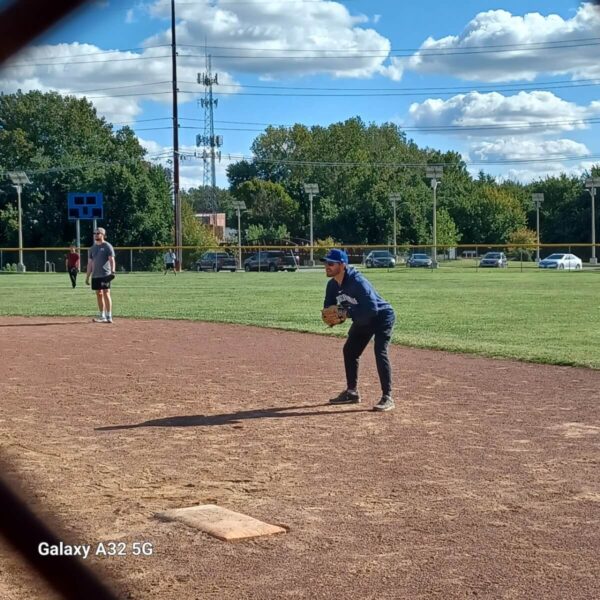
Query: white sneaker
point(108, 320)
point(100, 320)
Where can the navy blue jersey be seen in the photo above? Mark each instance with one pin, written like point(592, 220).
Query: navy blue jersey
point(357, 296)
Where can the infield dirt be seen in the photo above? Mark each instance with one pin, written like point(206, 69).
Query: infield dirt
point(484, 482)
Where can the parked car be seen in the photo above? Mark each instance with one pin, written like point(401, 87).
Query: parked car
point(380, 258)
point(216, 261)
point(272, 260)
point(494, 259)
point(561, 261)
point(419, 260)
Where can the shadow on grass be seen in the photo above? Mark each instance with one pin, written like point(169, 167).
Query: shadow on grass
point(232, 418)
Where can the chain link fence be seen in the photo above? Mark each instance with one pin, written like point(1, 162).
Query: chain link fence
point(148, 259)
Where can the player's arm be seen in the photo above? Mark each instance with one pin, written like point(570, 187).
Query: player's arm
point(113, 264)
point(330, 295)
point(366, 307)
point(90, 266)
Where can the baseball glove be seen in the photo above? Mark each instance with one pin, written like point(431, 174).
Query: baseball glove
point(334, 315)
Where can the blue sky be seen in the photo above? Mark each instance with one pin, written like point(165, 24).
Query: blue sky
point(512, 86)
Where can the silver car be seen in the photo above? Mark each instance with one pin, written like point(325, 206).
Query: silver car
point(380, 258)
point(494, 259)
point(561, 261)
point(419, 260)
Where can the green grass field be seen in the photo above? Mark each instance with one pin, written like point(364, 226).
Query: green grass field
point(550, 317)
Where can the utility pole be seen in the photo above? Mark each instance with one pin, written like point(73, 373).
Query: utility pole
point(537, 198)
point(312, 189)
point(209, 139)
point(176, 198)
point(434, 173)
point(394, 199)
point(239, 207)
point(591, 185)
point(19, 179)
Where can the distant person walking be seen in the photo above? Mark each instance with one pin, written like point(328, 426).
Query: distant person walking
point(72, 264)
point(170, 260)
point(101, 268)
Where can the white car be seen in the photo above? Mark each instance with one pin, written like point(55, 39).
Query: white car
point(561, 261)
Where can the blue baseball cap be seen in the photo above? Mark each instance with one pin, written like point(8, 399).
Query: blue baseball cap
point(337, 256)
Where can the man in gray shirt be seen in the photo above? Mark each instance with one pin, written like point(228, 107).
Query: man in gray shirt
point(101, 267)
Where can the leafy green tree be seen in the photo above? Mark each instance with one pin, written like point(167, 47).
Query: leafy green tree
point(520, 242)
point(565, 213)
point(195, 234)
point(64, 146)
point(255, 235)
point(201, 200)
point(447, 232)
point(267, 203)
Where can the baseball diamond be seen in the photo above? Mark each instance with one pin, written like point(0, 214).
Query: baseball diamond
point(484, 481)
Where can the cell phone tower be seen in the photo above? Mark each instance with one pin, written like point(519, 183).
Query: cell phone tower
point(209, 142)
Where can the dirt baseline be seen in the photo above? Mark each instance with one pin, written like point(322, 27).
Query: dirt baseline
point(484, 482)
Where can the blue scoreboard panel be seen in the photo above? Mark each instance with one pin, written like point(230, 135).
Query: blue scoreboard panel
point(85, 205)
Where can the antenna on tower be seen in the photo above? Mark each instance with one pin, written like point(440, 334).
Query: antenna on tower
point(209, 141)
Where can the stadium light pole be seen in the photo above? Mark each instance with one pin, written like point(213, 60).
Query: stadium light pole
point(394, 199)
point(239, 207)
point(591, 184)
point(537, 198)
point(434, 173)
point(19, 179)
point(311, 189)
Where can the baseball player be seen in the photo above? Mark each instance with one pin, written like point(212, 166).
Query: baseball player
point(170, 259)
point(348, 293)
point(101, 268)
point(72, 265)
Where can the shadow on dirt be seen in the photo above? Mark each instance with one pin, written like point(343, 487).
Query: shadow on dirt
point(237, 417)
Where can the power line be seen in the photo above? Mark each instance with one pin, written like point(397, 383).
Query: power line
point(350, 53)
point(348, 164)
point(522, 45)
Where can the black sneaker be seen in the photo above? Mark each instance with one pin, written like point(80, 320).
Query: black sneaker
point(386, 403)
point(346, 397)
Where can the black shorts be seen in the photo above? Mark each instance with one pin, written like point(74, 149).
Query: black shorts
point(101, 283)
point(169, 266)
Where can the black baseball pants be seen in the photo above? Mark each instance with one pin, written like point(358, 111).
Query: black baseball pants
point(73, 276)
point(358, 337)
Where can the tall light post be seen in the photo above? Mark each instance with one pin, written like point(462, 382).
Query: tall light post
point(537, 200)
point(434, 173)
point(394, 199)
point(19, 179)
point(239, 207)
point(591, 185)
point(311, 189)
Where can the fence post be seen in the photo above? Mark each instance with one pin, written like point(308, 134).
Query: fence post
point(131, 260)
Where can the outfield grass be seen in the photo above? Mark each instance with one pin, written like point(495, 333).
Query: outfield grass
point(537, 316)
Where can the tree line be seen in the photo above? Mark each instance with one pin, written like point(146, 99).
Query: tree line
point(64, 146)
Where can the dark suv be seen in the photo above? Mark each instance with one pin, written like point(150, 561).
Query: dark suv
point(216, 261)
point(272, 260)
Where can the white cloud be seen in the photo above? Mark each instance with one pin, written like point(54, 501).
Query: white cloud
point(525, 113)
point(191, 164)
point(516, 148)
point(277, 37)
point(116, 82)
point(130, 16)
point(543, 170)
point(467, 55)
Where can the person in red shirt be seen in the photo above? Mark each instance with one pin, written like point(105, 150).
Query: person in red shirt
point(72, 264)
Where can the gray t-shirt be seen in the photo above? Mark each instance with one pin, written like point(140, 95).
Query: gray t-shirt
point(100, 254)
